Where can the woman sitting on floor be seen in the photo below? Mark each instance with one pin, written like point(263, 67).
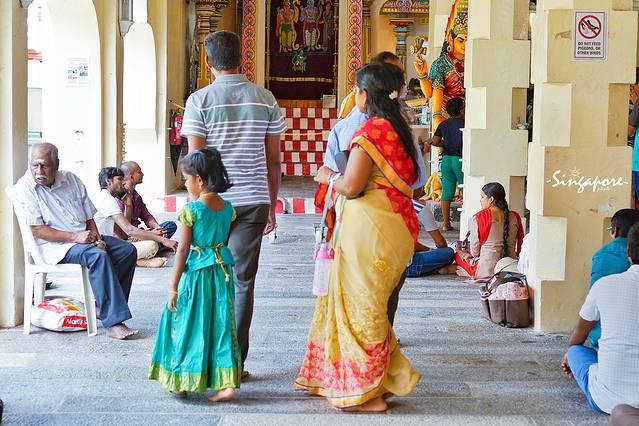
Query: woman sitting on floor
point(495, 233)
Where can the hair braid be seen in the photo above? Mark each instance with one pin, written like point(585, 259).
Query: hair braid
point(498, 193)
point(504, 207)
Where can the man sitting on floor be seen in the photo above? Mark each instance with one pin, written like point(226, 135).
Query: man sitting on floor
point(611, 376)
point(133, 207)
point(60, 214)
point(109, 215)
point(612, 257)
point(427, 260)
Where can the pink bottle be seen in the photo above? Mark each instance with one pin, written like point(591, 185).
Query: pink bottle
point(323, 261)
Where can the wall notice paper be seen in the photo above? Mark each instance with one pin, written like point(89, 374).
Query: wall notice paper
point(77, 72)
point(590, 36)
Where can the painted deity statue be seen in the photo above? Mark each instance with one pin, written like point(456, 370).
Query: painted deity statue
point(446, 77)
point(287, 16)
point(328, 19)
point(310, 16)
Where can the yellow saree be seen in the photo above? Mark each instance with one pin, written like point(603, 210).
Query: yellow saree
point(352, 354)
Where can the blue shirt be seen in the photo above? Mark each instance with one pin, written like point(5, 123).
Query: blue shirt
point(635, 153)
point(450, 131)
point(341, 136)
point(611, 258)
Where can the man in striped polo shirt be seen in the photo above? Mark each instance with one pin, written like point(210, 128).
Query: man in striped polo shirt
point(244, 122)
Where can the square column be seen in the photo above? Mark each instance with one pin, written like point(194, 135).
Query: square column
point(496, 78)
point(13, 151)
point(579, 170)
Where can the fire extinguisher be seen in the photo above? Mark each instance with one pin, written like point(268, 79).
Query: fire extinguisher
point(175, 136)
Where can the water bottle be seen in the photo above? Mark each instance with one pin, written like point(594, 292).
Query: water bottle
point(323, 262)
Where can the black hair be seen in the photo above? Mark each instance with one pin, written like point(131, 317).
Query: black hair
point(108, 173)
point(446, 46)
point(623, 220)
point(379, 81)
point(633, 243)
point(223, 50)
point(384, 57)
point(497, 191)
point(454, 106)
point(207, 164)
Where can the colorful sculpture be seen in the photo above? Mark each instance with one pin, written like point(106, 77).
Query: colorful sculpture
point(310, 16)
point(285, 31)
point(327, 19)
point(446, 77)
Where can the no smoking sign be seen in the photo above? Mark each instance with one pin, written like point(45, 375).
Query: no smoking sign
point(590, 35)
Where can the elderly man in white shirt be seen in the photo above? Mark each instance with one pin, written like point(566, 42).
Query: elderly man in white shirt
point(610, 376)
point(61, 218)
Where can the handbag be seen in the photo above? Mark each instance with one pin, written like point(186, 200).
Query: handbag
point(323, 254)
point(462, 245)
point(505, 300)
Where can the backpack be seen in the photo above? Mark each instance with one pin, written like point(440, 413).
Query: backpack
point(505, 300)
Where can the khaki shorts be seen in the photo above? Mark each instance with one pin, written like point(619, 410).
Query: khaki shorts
point(146, 248)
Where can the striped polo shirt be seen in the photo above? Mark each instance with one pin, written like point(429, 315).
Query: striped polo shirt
point(235, 116)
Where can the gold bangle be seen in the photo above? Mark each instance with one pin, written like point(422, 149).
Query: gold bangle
point(173, 292)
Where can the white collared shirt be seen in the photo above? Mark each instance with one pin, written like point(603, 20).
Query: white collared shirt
point(65, 207)
point(614, 300)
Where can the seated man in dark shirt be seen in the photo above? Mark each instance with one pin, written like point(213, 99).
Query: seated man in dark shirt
point(448, 136)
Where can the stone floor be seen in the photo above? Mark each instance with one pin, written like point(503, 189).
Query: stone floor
point(474, 373)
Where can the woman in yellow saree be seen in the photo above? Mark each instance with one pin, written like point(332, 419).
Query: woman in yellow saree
point(352, 357)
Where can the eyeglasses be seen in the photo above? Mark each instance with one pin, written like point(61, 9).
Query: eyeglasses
point(611, 228)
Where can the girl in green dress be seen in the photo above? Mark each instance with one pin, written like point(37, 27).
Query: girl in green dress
point(196, 346)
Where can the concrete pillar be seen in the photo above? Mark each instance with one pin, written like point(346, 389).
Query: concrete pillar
point(496, 78)
point(580, 116)
point(13, 150)
point(112, 60)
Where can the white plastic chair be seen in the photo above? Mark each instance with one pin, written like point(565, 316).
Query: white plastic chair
point(36, 267)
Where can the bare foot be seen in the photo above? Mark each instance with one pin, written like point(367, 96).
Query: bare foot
point(447, 228)
point(154, 262)
point(223, 395)
point(450, 269)
point(180, 394)
point(462, 272)
point(375, 405)
point(120, 332)
point(245, 375)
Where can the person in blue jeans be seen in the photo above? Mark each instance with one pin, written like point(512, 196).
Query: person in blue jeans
point(610, 376)
point(427, 260)
point(612, 257)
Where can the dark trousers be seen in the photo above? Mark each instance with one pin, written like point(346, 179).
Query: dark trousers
point(110, 275)
point(169, 227)
point(393, 300)
point(245, 242)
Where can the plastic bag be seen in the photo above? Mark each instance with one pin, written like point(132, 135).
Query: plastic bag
point(59, 314)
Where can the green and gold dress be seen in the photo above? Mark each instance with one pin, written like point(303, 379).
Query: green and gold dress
point(196, 347)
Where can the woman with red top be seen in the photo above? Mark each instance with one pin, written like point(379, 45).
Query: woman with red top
point(495, 233)
point(352, 357)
